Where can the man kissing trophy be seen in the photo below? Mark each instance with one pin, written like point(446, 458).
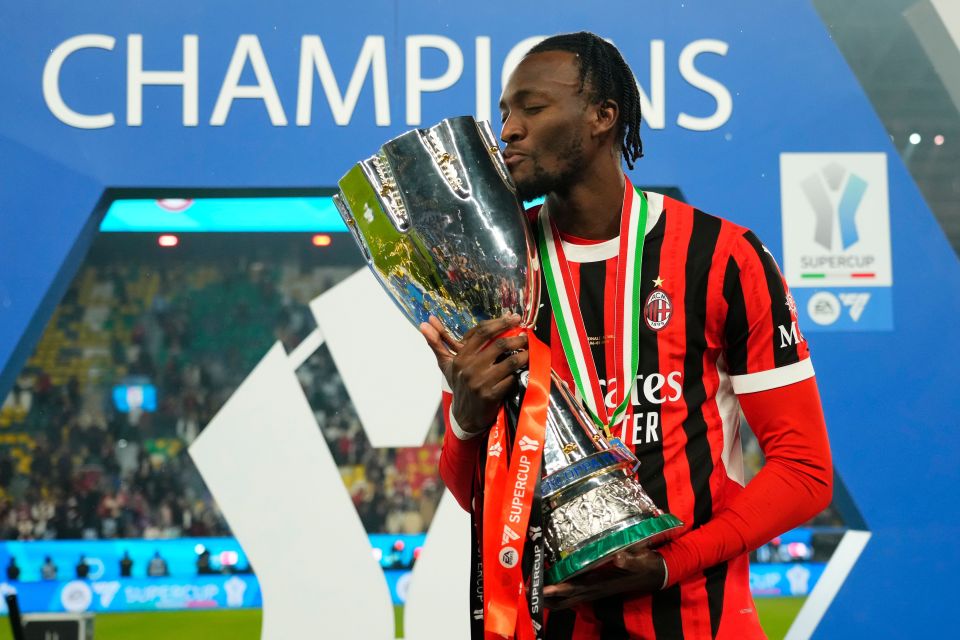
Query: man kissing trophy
point(436, 215)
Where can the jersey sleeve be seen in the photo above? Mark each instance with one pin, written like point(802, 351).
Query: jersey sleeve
point(458, 457)
point(763, 345)
point(795, 484)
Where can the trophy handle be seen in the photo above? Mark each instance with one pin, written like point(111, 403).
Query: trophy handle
point(352, 225)
point(490, 140)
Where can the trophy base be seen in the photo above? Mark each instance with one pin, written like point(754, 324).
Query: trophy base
point(595, 553)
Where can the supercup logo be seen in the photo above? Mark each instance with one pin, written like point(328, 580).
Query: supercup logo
point(836, 219)
point(843, 214)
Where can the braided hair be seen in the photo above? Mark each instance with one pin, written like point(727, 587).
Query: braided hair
point(606, 76)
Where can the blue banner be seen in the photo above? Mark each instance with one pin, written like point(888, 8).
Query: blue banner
point(217, 592)
point(138, 594)
point(103, 556)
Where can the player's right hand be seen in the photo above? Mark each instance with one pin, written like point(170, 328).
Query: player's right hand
point(481, 369)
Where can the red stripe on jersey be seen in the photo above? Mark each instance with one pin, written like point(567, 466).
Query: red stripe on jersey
point(715, 300)
point(740, 620)
point(586, 626)
point(671, 342)
point(717, 305)
point(694, 609)
point(638, 617)
point(756, 296)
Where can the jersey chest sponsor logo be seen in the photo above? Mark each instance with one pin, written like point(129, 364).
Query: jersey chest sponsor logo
point(652, 390)
point(657, 310)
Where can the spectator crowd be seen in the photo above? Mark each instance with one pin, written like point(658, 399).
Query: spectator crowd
point(75, 465)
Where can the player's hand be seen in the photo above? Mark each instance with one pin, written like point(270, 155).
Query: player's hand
point(481, 369)
point(636, 569)
point(442, 344)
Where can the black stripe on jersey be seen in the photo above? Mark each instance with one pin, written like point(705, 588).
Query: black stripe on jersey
point(560, 623)
point(541, 328)
point(779, 312)
point(716, 581)
point(609, 612)
point(703, 243)
point(593, 281)
point(736, 328)
point(667, 620)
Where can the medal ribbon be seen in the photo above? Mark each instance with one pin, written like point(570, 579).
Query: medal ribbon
point(563, 298)
point(508, 498)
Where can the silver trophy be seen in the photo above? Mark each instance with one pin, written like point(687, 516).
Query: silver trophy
point(437, 218)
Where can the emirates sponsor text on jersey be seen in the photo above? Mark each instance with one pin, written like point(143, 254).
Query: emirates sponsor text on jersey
point(642, 425)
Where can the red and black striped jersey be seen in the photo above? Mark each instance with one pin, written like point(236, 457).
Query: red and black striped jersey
point(717, 321)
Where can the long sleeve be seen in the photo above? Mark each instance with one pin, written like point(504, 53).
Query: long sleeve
point(794, 485)
point(458, 458)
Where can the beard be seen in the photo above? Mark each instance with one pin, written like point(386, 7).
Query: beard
point(542, 181)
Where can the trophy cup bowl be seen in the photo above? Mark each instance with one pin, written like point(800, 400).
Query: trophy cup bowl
point(436, 216)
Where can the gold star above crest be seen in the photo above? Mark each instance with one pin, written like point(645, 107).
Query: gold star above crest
point(658, 283)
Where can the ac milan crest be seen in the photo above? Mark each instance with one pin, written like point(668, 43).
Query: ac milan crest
point(657, 309)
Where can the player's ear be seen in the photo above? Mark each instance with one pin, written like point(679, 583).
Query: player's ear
point(606, 116)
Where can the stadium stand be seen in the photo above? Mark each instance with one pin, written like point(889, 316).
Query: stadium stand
point(76, 464)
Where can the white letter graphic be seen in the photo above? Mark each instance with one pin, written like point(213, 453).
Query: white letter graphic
point(416, 84)
point(483, 77)
point(248, 47)
point(51, 82)
point(314, 57)
point(704, 83)
point(137, 78)
point(654, 108)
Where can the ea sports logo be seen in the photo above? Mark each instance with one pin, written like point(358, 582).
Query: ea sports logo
point(824, 308)
point(657, 309)
point(76, 596)
point(509, 557)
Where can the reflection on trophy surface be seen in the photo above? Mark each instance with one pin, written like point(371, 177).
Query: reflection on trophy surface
point(437, 218)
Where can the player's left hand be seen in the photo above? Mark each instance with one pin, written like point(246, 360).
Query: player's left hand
point(636, 569)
